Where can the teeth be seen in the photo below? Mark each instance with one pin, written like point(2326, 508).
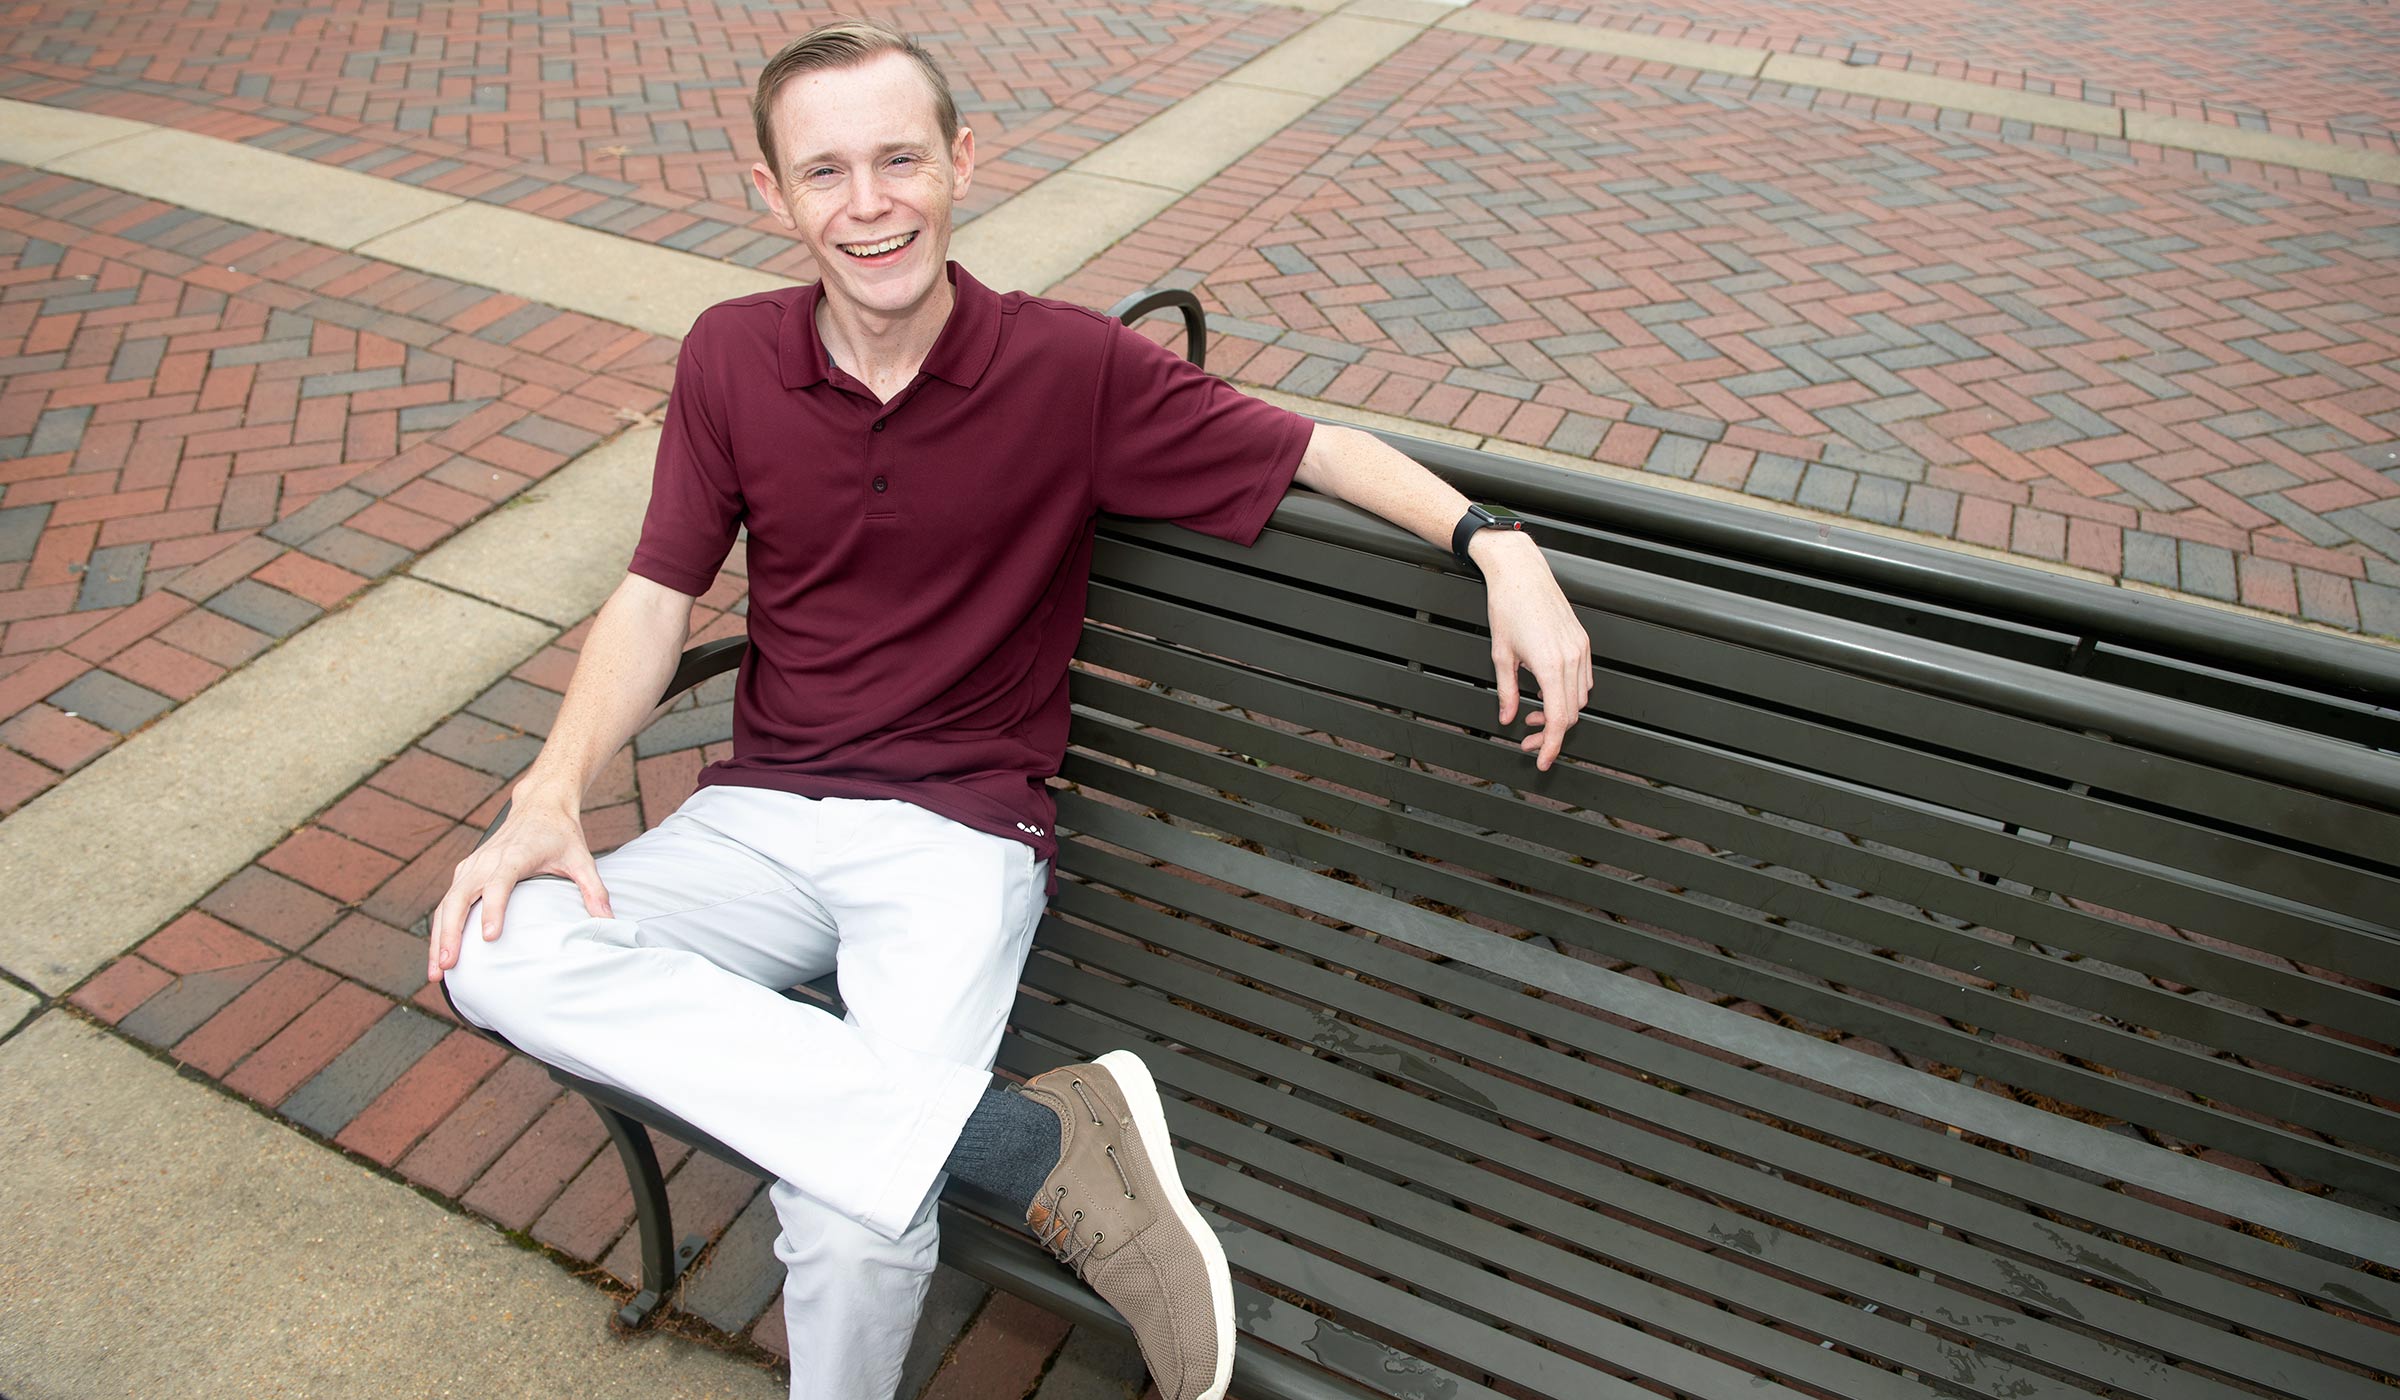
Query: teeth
point(868, 250)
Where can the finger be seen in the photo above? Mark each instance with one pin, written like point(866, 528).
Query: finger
point(443, 935)
point(1554, 738)
point(1560, 710)
point(495, 900)
point(1533, 741)
point(1504, 667)
point(586, 876)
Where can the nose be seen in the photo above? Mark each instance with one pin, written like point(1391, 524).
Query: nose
point(868, 198)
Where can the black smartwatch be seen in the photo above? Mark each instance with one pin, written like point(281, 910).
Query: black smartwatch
point(1480, 518)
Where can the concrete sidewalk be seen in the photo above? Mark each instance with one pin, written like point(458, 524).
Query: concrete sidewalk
point(331, 354)
point(164, 1242)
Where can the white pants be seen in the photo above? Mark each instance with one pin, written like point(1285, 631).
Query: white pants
point(743, 892)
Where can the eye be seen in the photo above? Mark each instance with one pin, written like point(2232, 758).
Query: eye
point(821, 175)
point(902, 162)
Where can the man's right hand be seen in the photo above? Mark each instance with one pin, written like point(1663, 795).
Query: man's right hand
point(542, 836)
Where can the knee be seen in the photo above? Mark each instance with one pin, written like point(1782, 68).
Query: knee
point(498, 982)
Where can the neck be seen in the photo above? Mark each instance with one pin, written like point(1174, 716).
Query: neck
point(883, 352)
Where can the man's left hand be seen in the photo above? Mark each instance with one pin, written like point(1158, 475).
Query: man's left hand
point(1534, 629)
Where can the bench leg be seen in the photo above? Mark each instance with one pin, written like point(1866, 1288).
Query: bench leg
point(663, 1261)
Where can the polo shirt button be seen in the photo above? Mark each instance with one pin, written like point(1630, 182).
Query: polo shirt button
point(879, 425)
point(881, 484)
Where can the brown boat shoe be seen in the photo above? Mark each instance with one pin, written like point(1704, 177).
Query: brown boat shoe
point(1114, 1211)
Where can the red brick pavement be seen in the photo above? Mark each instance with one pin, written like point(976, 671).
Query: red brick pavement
point(2068, 348)
point(2321, 69)
point(631, 118)
point(210, 435)
point(285, 987)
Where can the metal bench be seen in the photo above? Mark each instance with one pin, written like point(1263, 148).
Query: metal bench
point(1896, 991)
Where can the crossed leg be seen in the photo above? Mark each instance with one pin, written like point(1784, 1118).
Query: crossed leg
point(741, 893)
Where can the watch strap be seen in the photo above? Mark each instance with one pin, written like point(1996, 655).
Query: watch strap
point(1478, 518)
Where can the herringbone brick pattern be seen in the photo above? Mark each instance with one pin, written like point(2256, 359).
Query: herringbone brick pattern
point(299, 984)
point(2083, 355)
point(210, 435)
point(2315, 68)
point(632, 118)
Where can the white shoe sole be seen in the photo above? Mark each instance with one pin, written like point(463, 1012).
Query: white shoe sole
point(1150, 1120)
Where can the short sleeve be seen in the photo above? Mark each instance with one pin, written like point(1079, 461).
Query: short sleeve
point(695, 494)
point(1176, 443)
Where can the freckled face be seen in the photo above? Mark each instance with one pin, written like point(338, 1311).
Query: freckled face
point(868, 182)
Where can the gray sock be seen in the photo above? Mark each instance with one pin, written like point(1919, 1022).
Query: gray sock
point(1008, 1147)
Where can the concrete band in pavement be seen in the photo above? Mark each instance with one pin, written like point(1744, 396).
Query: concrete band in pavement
point(167, 1241)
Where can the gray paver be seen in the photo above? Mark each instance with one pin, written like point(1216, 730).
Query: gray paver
point(110, 701)
point(1879, 499)
point(481, 744)
point(2363, 526)
point(1827, 488)
point(58, 430)
point(1675, 455)
point(2378, 607)
point(323, 513)
point(329, 1100)
point(1669, 421)
point(361, 554)
point(2152, 492)
point(21, 531)
point(179, 1007)
point(1931, 510)
point(685, 729)
point(112, 578)
point(2150, 558)
point(2208, 569)
point(270, 610)
point(1775, 477)
point(515, 705)
point(550, 433)
point(741, 1274)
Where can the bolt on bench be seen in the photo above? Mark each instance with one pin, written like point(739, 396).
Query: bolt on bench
point(1891, 994)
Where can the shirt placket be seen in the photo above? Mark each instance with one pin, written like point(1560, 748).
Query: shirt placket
point(879, 462)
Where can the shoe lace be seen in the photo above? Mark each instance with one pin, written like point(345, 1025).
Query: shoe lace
point(1057, 1234)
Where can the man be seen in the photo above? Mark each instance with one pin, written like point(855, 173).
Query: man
point(918, 463)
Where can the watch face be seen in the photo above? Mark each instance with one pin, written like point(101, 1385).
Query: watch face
point(1501, 515)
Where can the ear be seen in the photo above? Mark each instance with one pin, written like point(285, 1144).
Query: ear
point(962, 163)
point(770, 189)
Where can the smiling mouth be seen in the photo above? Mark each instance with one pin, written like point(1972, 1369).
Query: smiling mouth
point(873, 250)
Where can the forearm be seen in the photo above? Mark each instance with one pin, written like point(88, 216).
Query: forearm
point(627, 659)
point(1357, 467)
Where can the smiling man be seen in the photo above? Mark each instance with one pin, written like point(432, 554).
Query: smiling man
point(918, 463)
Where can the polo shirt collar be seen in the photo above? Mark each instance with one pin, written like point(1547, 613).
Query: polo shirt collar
point(959, 354)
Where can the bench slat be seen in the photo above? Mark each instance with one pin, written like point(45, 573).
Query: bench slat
point(1891, 761)
point(1721, 736)
point(1903, 1292)
point(1747, 937)
point(1739, 667)
point(1630, 1095)
point(1727, 827)
point(2123, 1000)
point(1358, 1041)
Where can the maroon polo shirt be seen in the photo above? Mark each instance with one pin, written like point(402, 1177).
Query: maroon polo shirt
point(918, 568)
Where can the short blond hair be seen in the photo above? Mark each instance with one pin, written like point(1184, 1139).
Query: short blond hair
point(844, 44)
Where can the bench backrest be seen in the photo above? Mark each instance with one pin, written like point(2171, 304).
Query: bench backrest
point(1759, 998)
